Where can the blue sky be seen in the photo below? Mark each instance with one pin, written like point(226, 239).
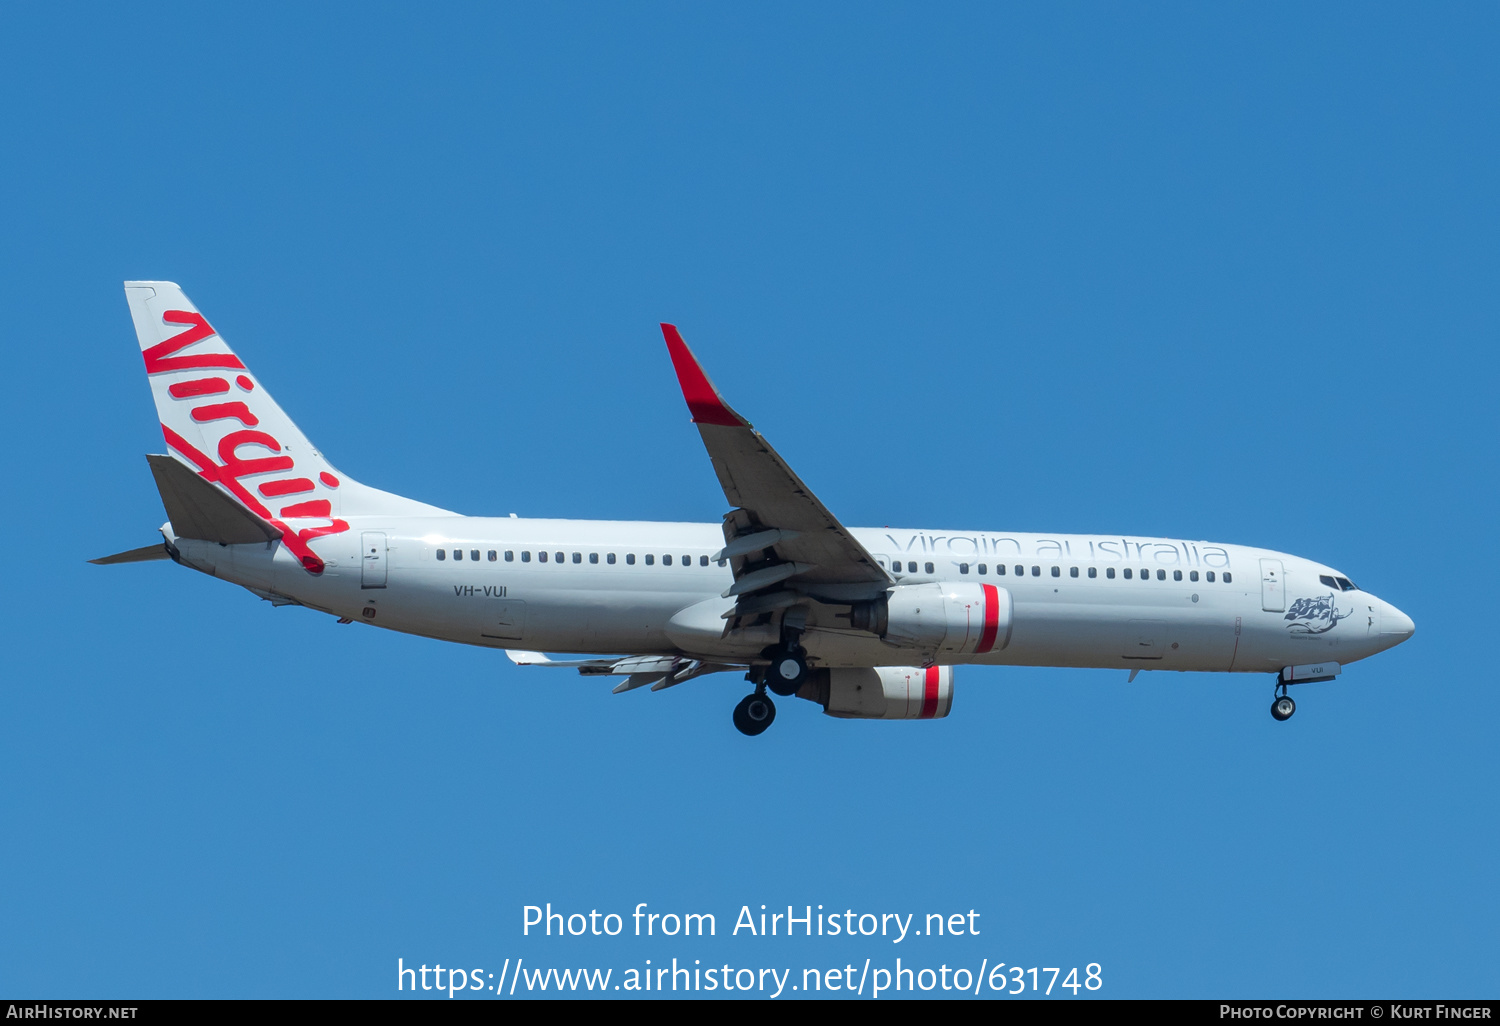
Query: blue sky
point(1221, 272)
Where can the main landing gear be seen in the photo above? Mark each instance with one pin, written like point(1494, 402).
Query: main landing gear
point(1282, 706)
point(783, 677)
point(755, 712)
point(788, 670)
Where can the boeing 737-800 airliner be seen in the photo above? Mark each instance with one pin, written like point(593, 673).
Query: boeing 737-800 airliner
point(868, 623)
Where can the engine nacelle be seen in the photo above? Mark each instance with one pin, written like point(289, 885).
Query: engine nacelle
point(947, 618)
point(882, 692)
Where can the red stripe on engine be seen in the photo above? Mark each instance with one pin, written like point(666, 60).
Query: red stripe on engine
point(991, 618)
point(930, 694)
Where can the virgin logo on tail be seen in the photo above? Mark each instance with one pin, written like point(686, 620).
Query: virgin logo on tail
point(160, 359)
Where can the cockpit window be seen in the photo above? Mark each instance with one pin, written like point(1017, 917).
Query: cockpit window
point(1328, 582)
point(1347, 584)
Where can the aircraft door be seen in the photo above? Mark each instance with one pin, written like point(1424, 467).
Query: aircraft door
point(372, 559)
point(1272, 586)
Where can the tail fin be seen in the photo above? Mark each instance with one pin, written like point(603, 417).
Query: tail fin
point(219, 420)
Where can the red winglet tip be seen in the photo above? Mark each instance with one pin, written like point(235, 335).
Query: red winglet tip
point(702, 398)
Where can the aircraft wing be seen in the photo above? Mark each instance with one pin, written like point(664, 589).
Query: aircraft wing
point(661, 672)
point(778, 530)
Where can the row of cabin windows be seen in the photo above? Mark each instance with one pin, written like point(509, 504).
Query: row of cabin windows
point(493, 555)
point(1109, 572)
point(911, 567)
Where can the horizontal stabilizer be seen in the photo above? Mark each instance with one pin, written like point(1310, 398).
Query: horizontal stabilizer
point(144, 554)
point(199, 510)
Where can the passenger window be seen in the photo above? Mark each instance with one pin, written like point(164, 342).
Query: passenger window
point(927, 567)
point(494, 555)
point(474, 555)
point(1020, 570)
point(1000, 569)
point(687, 560)
point(963, 568)
point(1328, 582)
point(1057, 571)
point(665, 560)
point(1192, 575)
point(593, 557)
point(559, 557)
point(1127, 573)
point(1072, 571)
point(650, 559)
point(610, 559)
point(723, 562)
point(1109, 572)
point(1209, 577)
point(1161, 575)
point(630, 559)
point(1228, 577)
point(1093, 571)
point(526, 557)
point(578, 557)
point(911, 568)
point(442, 553)
point(510, 555)
point(1176, 575)
point(458, 553)
point(983, 569)
point(1036, 571)
point(703, 561)
point(541, 557)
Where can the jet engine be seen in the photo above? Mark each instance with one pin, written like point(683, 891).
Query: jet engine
point(882, 692)
point(957, 618)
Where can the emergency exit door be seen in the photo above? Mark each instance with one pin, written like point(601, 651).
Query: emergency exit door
point(1272, 587)
point(372, 559)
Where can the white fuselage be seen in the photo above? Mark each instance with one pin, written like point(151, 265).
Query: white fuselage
point(1185, 605)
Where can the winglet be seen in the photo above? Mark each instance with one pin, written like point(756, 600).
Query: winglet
point(703, 400)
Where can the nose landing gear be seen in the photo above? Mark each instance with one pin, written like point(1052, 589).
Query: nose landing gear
point(1282, 706)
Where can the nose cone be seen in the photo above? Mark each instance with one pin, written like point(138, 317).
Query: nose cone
point(1395, 626)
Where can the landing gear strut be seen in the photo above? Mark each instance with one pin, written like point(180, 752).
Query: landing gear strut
point(755, 712)
point(783, 677)
point(1282, 706)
